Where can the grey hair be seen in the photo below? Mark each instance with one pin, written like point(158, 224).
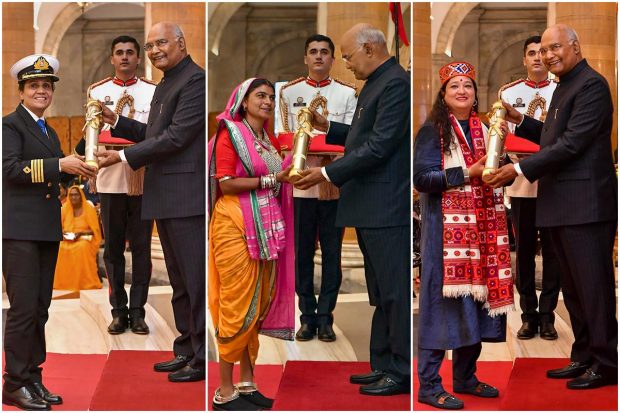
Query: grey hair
point(572, 34)
point(370, 35)
point(178, 32)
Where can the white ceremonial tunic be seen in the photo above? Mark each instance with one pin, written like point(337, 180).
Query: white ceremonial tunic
point(113, 179)
point(531, 99)
point(341, 101)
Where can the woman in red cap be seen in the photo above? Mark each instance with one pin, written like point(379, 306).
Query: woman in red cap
point(466, 280)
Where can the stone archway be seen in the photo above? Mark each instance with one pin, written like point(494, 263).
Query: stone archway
point(485, 71)
point(219, 16)
point(451, 24)
point(264, 54)
point(63, 21)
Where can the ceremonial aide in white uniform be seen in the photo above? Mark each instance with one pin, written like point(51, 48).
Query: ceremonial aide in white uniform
point(131, 99)
point(532, 99)
point(333, 98)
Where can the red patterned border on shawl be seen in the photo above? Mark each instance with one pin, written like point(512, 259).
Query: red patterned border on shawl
point(475, 235)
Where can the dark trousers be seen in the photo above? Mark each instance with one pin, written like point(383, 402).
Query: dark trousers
point(585, 253)
point(183, 242)
point(314, 217)
point(387, 265)
point(28, 268)
point(526, 234)
point(120, 214)
point(463, 369)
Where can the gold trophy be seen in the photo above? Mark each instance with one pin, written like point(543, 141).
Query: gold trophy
point(301, 142)
point(91, 129)
point(495, 148)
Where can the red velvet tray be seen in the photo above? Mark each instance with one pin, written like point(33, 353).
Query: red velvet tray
point(317, 146)
point(515, 144)
point(106, 138)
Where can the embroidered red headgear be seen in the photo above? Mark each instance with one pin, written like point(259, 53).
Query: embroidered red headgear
point(456, 69)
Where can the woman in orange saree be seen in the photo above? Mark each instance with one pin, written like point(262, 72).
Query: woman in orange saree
point(76, 267)
point(251, 252)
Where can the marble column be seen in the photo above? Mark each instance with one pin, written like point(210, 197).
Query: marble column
point(191, 18)
point(17, 42)
point(334, 19)
point(595, 23)
point(422, 64)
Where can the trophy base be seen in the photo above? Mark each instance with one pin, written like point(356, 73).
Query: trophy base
point(486, 174)
point(294, 176)
point(93, 164)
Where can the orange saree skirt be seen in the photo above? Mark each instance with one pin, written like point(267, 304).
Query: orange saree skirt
point(240, 288)
point(76, 267)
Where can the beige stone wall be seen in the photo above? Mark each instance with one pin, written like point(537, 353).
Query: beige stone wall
point(258, 40)
point(84, 53)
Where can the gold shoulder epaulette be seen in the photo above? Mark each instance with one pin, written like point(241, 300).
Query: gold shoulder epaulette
point(348, 84)
point(101, 82)
point(508, 85)
point(292, 82)
point(151, 82)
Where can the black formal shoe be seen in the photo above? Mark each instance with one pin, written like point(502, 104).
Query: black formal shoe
point(574, 369)
point(548, 332)
point(480, 390)
point(25, 399)
point(186, 374)
point(138, 325)
point(528, 330)
point(257, 398)
point(172, 365)
point(591, 380)
point(443, 400)
point(40, 390)
point(326, 333)
point(118, 325)
point(384, 387)
point(306, 332)
point(367, 378)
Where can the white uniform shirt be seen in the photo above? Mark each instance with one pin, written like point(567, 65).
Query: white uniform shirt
point(532, 99)
point(299, 93)
point(113, 179)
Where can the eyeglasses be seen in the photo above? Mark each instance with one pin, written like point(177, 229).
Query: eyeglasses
point(159, 43)
point(348, 58)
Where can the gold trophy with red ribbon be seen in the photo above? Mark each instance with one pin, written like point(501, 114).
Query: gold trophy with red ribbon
point(301, 142)
point(495, 147)
point(91, 129)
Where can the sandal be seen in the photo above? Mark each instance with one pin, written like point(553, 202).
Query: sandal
point(249, 392)
point(233, 402)
point(442, 400)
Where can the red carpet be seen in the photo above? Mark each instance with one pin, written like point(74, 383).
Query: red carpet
point(530, 389)
point(495, 373)
point(267, 378)
point(324, 386)
point(128, 382)
point(73, 376)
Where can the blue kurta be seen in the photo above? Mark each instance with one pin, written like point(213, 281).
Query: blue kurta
point(445, 323)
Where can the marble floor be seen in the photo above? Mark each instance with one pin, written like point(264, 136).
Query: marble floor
point(78, 324)
point(352, 327)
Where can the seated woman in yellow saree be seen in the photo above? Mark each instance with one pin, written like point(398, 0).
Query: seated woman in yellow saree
point(76, 267)
point(251, 242)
